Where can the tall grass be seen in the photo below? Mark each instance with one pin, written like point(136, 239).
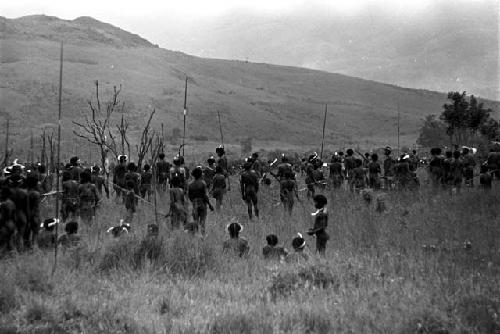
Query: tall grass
point(380, 273)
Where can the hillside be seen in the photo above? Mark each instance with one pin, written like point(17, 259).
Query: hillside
point(444, 48)
point(272, 104)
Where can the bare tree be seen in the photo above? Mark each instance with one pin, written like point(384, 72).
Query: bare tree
point(146, 140)
point(122, 132)
point(96, 127)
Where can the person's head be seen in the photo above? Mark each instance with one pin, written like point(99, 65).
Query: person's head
point(152, 229)
point(284, 158)
point(456, 154)
point(448, 154)
point(436, 151)
point(272, 240)
point(73, 161)
point(341, 154)
point(465, 150)
point(147, 167)
point(255, 155)
point(130, 185)
point(220, 151)
point(234, 229)
point(367, 155)
point(197, 172)
point(177, 160)
point(122, 159)
point(71, 227)
point(320, 201)
point(211, 160)
point(49, 224)
point(96, 169)
point(31, 182)
point(161, 156)
point(41, 169)
point(298, 243)
point(350, 152)
point(85, 177)
point(66, 176)
point(387, 150)
point(132, 167)
point(414, 152)
point(374, 157)
point(219, 170)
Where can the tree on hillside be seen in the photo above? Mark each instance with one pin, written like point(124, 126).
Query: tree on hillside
point(463, 117)
point(432, 133)
point(490, 130)
point(96, 127)
point(124, 142)
point(146, 143)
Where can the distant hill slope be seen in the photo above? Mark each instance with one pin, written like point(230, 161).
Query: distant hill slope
point(443, 48)
point(268, 103)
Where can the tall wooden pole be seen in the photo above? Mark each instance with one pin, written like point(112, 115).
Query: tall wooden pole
point(220, 129)
point(58, 156)
point(323, 139)
point(185, 112)
point(398, 131)
point(6, 157)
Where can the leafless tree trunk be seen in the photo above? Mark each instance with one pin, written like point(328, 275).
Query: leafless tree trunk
point(122, 132)
point(96, 127)
point(146, 140)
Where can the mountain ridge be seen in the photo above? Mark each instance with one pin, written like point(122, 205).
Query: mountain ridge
point(275, 105)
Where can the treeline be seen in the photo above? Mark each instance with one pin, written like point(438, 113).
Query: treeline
point(463, 121)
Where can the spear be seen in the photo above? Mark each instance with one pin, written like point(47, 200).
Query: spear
point(323, 140)
point(220, 129)
point(185, 112)
point(58, 156)
point(6, 157)
point(398, 129)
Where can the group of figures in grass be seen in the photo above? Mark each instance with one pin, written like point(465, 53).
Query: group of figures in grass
point(24, 188)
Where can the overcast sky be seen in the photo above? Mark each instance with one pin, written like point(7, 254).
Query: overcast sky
point(147, 16)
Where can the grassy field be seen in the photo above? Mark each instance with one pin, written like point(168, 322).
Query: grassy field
point(376, 276)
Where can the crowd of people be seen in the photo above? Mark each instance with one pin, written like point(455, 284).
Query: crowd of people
point(24, 188)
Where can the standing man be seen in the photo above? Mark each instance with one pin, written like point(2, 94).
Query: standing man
point(468, 164)
point(389, 164)
point(119, 176)
point(249, 184)
point(162, 172)
point(197, 193)
point(222, 162)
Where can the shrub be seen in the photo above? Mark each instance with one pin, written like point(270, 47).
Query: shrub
point(426, 323)
point(8, 300)
point(480, 313)
point(31, 276)
point(313, 276)
point(240, 323)
point(152, 249)
point(189, 256)
point(181, 254)
point(118, 255)
point(305, 321)
point(38, 312)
